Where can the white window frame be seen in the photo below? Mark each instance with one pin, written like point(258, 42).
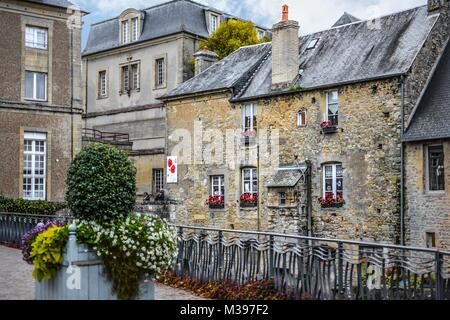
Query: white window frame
point(220, 185)
point(34, 137)
point(313, 43)
point(299, 119)
point(160, 72)
point(103, 84)
point(334, 177)
point(261, 34)
point(34, 43)
point(125, 26)
point(253, 178)
point(328, 104)
point(280, 198)
point(253, 114)
point(135, 29)
point(125, 77)
point(213, 22)
point(157, 172)
point(135, 76)
point(34, 97)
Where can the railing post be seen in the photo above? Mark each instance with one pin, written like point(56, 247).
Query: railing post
point(271, 257)
point(340, 276)
point(180, 252)
point(439, 278)
point(220, 257)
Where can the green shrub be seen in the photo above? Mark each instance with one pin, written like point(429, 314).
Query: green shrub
point(29, 207)
point(101, 184)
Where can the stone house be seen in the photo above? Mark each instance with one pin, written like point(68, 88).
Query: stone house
point(427, 155)
point(40, 96)
point(328, 106)
point(129, 62)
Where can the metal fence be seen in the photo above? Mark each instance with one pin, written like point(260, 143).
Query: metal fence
point(314, 268)
point(13, 226)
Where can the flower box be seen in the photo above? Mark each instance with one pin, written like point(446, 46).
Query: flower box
point(216, 202)
point(81, 277)
point(330, 201)
point(328, 127)
point(249, 200)
point(217, 206)
point(248, 205)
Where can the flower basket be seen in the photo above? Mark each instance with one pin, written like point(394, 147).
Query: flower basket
point(330, 201)
point(328, 127)
point(249, 200)
point(216, 202)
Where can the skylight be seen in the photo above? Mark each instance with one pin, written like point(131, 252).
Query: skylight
point(312, 44)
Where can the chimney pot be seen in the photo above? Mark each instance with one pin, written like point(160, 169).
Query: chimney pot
point(285, 13)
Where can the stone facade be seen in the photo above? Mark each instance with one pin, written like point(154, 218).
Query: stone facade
point(58, 116)
point(428, 211)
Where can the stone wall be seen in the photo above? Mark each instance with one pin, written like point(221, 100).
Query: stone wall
point(426, 211)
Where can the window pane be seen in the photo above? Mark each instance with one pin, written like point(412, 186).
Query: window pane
point(29, 85)
point(41, 86)
point(41, 38)
point(436, 168)
point(29, 37)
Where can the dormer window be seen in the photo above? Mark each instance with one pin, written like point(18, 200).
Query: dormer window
point(260, 34)
point(213, 23)
point(313, 43)
point(130, 25)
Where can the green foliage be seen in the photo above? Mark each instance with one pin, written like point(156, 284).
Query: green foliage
point(101, 183)
point(254, 291)
point(230, 36)
point(191, 64)
point(29, 207)
point(46, 252)
point(296, 88)
point(132, 250)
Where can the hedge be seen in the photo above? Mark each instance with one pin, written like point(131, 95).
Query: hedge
point(29, 207)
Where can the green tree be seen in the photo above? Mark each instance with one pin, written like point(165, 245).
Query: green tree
point(230, 36)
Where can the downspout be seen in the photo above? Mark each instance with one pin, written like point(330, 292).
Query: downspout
point(309, 230)
point(402, 164)
point(259, 179)
point(71, 94)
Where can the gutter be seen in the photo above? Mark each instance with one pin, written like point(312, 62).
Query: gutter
point(402, 164)
point(194, 95)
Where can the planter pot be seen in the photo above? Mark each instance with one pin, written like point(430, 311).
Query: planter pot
point(248, 205)
point(335, 205)
point(330, 130)
point(81, 277)
point(216, 206)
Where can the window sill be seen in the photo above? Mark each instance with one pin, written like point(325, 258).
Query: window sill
point(436, 193)
point(36, 100)
point(329, 130)
point(160, 87)
point(102, 98)
point(37, 49)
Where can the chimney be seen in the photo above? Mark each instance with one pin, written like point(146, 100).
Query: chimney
point(285, 51)
point(204, 59)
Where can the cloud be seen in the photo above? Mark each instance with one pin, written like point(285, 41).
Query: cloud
point(312, 15)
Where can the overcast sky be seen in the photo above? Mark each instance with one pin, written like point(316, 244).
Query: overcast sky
point(312, 15)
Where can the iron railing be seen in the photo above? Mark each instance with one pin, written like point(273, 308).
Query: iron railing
point(314, 268)
point(13, 226)
point(106, 136)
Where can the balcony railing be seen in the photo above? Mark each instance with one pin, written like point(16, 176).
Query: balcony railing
point(106, 136)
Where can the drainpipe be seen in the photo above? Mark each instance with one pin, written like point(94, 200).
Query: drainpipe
point(259, 189)
point(309, 228)
point(402, 164)
point(71, 94)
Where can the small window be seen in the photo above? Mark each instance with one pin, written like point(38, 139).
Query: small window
point(213, 23)
point(36, 37)
point(35, 86)
point(332, 107)
point(135, 29)
point(102, 87)
point(301, 119)
point(333, 180)
point(130, 77)
point(431, 239)
point(125, 31)
point(249, 124)
point(217, 186)
point(158, 181)
point(34, 166)
point(260, 34)
point(160, 72)
point(312, 44)
point(436, 174)
point(282, 198)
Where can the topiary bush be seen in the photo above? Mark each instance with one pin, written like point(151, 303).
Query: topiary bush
point(101, 184)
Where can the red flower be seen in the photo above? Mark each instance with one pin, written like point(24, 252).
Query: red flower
point(330, 200)
point(215, 200)
point(326, 124)
point(249, 198)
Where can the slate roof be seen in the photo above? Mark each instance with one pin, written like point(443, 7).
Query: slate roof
point(432, 117)
point(54, 3)
point(160, 20)
point(287, 177)
point(346, 18)
point(351, 53)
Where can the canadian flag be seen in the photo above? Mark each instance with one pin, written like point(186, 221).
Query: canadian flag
point(172, 170)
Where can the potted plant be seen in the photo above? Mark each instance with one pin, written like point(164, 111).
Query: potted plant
point(331, 201)
point(120, 251)
point(327, 127)
point(249, 200)
point(216, 202)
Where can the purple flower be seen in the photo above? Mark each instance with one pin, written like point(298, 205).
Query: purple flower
point(31, 235)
